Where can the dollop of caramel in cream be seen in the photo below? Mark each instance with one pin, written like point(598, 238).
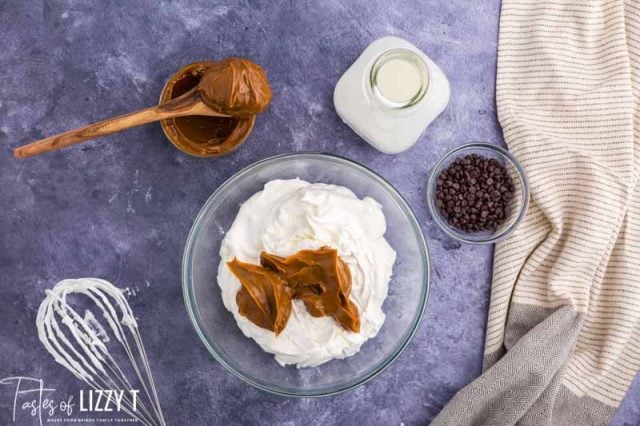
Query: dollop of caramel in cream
point(317, 277)
point(264, 297)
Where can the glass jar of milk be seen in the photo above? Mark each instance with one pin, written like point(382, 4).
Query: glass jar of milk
point(391, 94)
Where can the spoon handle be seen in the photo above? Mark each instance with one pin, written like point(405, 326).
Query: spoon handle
point(188, 104)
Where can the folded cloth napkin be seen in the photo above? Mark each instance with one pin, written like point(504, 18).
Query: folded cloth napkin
point(563, 333)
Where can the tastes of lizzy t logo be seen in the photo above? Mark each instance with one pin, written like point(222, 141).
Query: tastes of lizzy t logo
point(32, 399)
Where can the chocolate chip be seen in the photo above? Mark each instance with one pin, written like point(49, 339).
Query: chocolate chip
point(474, 193)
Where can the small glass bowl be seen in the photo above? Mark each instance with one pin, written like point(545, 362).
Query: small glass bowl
point(519, 204)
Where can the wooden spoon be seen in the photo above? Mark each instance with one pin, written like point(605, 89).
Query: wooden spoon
point(190, 103)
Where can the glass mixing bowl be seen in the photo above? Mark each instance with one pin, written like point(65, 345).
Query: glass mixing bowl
point(243, 357)
point(518, 206)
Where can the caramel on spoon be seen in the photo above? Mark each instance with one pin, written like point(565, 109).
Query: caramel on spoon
point(232, 87)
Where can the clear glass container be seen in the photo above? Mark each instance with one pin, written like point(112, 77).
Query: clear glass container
point(391, 94)
point(216, 326)
point(519, 203)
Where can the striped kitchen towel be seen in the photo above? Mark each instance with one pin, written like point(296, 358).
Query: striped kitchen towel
point(563, 333)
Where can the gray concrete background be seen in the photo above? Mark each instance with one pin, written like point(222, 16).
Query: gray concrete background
point(120, 208)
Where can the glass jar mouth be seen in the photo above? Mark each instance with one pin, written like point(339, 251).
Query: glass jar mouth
point(419, 67)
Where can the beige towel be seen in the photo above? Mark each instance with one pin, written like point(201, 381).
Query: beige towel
point(563, 334)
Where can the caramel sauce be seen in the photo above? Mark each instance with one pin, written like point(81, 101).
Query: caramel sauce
point(232, 86)
point(199, 135)
point(264, 297)
point(317, 277)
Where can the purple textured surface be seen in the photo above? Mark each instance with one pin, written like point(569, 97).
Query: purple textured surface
point(120, 208)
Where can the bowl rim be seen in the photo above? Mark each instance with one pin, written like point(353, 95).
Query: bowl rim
point(433, 209)
point(187, 282)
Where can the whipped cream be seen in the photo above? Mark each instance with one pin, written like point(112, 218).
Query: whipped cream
point(292, 215)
